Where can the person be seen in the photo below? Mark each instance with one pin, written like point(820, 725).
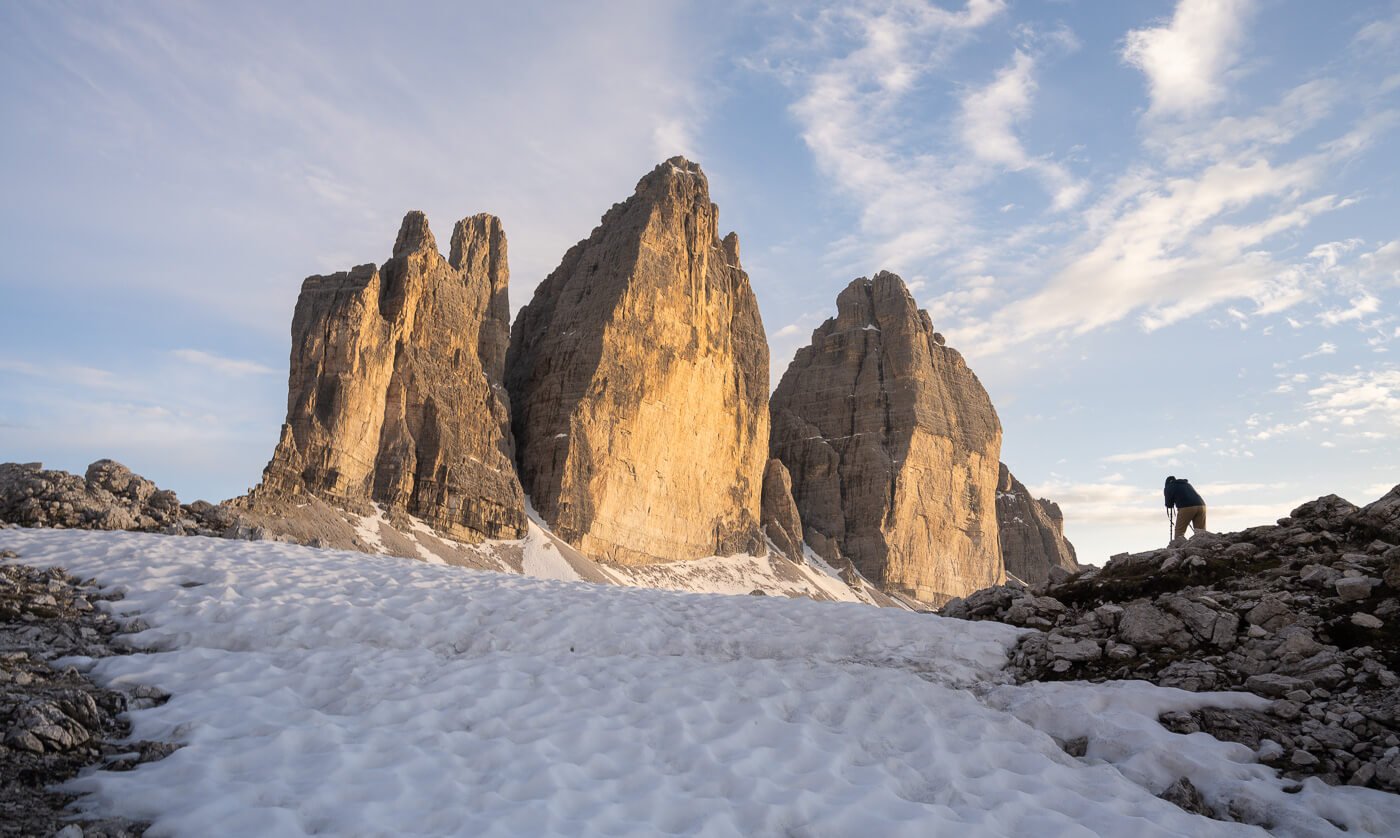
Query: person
point(1190, 509)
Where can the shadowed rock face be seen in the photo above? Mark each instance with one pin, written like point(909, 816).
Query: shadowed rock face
point(781, 521)
point(893, 447)
point(639, 380)
point(395, 391)
point(1032, 532)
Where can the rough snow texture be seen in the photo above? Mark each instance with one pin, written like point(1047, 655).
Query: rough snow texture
point(893, 447)
point(333, 693)
point(1032, 532)
point(638, 377)
point(395, 393)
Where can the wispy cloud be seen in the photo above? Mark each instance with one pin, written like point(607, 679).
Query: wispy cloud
point(989, 117)
point(912, 200)
point(1150, 454)
point(220, 364)
point(1358, 400)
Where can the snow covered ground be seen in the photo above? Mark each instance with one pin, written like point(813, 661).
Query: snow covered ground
point(326, 692)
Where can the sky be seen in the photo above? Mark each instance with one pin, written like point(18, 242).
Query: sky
point(1165, 235)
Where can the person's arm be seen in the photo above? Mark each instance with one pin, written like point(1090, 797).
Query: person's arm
point(1167, 495)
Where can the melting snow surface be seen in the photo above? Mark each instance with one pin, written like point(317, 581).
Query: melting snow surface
point(328, 692)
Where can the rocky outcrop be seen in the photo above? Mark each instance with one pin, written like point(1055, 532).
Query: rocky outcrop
point(108, 497)
point(1032, 532)
point(781, 521)
point(54, 721)
point(893, 448)
point(1305, 613)
point(638, 376)
point(395, 393)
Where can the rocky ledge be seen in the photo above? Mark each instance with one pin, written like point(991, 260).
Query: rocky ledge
point(1306, 613)
point(54, 722)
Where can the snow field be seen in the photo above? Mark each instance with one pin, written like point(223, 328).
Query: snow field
point(321, 692)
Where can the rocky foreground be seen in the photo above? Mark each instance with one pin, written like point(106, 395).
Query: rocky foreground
point(54, 721)
point(1306, 613)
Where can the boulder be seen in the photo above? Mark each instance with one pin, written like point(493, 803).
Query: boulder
point(1381, 518)
point(893, 447)
point(1146, 626)
point(638, 376)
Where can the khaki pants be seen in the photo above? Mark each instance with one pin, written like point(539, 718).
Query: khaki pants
point(1195, 516)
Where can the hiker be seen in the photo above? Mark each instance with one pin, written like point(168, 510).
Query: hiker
point(1190, 509)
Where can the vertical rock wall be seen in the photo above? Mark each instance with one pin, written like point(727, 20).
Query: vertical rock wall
point(893, 447)
point(395, 391)
point(639, 380)
point(1032, 532)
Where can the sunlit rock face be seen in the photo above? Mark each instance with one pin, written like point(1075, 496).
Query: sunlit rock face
point(395, 392)
point(639, 380)
point(893, 447)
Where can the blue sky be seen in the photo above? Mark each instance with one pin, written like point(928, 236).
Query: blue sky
point(1165, 235)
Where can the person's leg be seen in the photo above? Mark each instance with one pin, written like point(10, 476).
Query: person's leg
point(1183, 518)
point(1198, 522)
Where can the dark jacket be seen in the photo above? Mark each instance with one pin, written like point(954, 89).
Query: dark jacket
point(1180, 494)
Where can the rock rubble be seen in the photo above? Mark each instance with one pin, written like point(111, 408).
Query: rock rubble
point(55, 722)
point(1305, 613)
point(108, 497)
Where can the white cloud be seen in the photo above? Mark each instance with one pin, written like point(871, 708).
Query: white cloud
point(789, 329)
point(1360, 307)
point(220, 364)
point(1185, 59)
point(989, 117)
point(1364, 400)
point(1323, 348)
point(913, 204)
point(1150, 454)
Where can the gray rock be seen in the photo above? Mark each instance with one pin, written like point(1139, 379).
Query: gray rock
point(1145, 626)
point(1188, 797)
point(1355, 588)
point(1120, 651)
point(1318, 575)
point(1062, 648)
point(1366, 621)
point(1303, 759)
point(1274, 685)
point(1271, 614)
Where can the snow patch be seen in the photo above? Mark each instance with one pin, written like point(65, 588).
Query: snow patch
point(329, 692)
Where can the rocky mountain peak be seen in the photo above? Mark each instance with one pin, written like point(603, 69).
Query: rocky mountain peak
point(1032, 532)
point(646, 334)
point(414, 235)
point(892, 445)
point(395, 392)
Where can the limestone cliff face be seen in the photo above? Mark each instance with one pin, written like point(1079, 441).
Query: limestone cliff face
point(639, 380)
point(1032, 532)
point(781, 521)
point(893, 447)
point(395, 392)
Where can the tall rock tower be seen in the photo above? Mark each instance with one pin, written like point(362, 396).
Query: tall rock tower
point(395, 393)
point(639, 380)
point(893, 448)
point(1032, 532)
